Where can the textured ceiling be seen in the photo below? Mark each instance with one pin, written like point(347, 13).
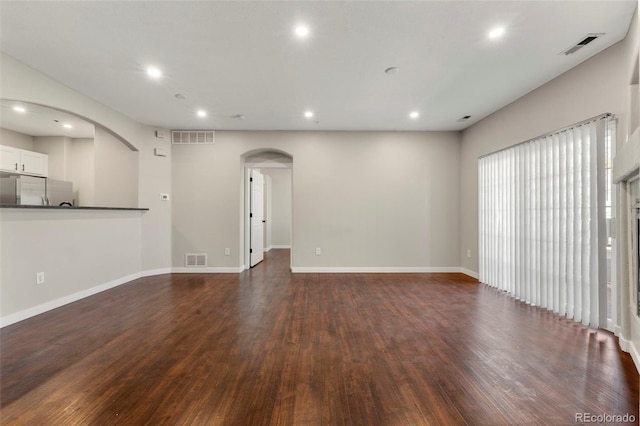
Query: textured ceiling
point(238, 57)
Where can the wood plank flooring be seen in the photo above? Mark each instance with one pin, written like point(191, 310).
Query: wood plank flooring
point(268, 347)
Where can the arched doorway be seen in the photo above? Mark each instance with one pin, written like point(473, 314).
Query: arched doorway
point(276, 170)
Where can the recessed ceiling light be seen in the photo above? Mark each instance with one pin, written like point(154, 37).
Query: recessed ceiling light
point(302, 31)
point(154, 72)
point(67, 126)
point(180, 96)
point(414, 114)
point(19, 109)
point(392, 70)
point(496, 32)
point(308, 114)
point(201, 113)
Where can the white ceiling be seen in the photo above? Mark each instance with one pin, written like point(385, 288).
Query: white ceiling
point(37, 120)
point(237, 57)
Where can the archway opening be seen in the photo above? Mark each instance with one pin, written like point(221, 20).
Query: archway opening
point(268, 226)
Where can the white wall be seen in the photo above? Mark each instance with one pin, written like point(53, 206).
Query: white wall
point(154, 177)
point(280, 209)
point(79, 251)
point(82, 171)
point(116, 172)
point(367, 199)
point(16, 139)
point(104, 171)
point(58, 148)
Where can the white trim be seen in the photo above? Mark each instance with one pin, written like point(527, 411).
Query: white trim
point(470, 273)
point(617, 330)
point(153, 272)
point(609, 326)
point(267, 249)
point(373, 270)
point(628, 346)
point(48, 306)
point(208, 270)
point(625, 163)
point(267, 165)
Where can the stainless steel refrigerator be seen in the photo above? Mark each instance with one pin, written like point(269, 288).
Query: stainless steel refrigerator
point(59, 193)
point(23, 190)
point(35, 191)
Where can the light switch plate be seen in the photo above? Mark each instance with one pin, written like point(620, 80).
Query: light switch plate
point(164, 197)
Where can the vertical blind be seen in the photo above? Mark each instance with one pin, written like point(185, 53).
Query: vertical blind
point(541, 221)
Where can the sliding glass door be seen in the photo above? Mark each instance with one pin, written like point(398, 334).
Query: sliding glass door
point(542, 221)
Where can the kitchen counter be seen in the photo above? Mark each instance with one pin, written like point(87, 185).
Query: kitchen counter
point(17, 206)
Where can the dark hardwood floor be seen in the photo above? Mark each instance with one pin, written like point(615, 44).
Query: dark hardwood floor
point(270, 347)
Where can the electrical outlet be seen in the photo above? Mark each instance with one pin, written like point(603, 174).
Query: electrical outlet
point(227, 251)
point(40, 278)
point(318, 251)
point(468, 253)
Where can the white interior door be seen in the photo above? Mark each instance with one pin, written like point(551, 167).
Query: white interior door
point(256, 217)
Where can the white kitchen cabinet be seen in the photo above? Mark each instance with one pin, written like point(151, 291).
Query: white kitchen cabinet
point(9, 159)
point(20, 161)
point(34, 163)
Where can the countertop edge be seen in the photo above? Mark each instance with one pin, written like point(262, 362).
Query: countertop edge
point(17, 206)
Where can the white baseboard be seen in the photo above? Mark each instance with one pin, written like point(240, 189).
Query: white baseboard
point(628, 346)
point(373, 270)
point(276, 247)
point(617, 330)
point(48, 306)
point(209, 270)
point(470, 273)
point(152, 272)
point(44, 307)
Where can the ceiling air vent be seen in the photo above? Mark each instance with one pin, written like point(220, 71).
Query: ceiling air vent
point(193, 137)
point(582, 43)
point(463, 119)
point(195, 260)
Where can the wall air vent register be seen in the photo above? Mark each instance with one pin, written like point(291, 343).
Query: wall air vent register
point(193, 137)
point(195, 260)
